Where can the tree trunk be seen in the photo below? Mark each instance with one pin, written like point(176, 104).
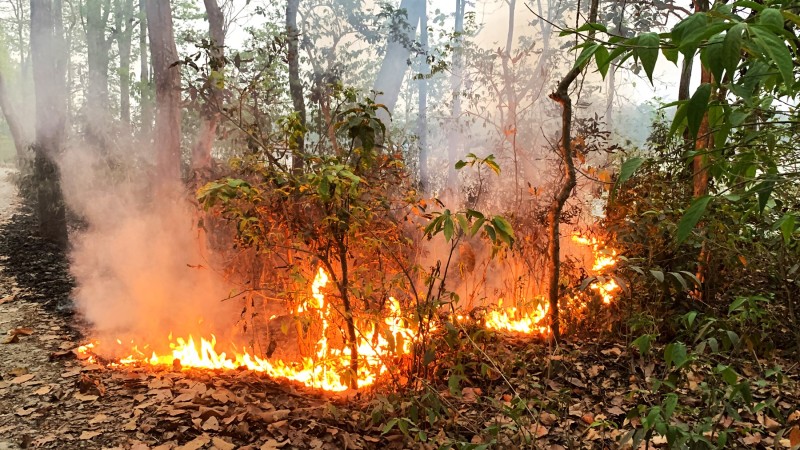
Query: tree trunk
point(15, 125)
point(454, 139)
point(209, 116)
point(510, 84)
point(398, 50)
point(49, 64)
point(123, 15)
point(422, 116)
point(167, 133)
point(146, 119)
point(97, 58)
point(295, 84)
point(561, 96)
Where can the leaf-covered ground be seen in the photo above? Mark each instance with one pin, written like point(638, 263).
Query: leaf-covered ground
point(577, 395)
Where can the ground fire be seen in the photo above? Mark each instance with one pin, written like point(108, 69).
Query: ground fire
point(328, 367)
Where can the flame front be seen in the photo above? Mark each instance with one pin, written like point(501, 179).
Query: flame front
point(328, 370)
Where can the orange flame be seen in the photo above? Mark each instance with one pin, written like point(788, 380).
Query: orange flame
point(510, 319)
point(329, 370)
point(604, 259)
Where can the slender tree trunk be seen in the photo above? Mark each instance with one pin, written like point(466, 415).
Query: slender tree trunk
point(295, 84)
point(510, 82)
point(97, 59)
point(49, 64)
point(422, 116)
point(123, 15)
point(15, 125)
point(455, 135)
point(209, 116)
point(167, 133)
point(398, 50)
point(145, 88)
point(569, 181)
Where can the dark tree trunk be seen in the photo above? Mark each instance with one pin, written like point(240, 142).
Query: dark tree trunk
point(398, 50)
point(49, 73)
point(295, 84)
point(209, 117)
point(422, 117)
point(167, 133)
point(568, 182)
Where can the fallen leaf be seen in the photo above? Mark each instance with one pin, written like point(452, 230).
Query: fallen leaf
point(272, 444)
point(751, 439)
point(24, 411)
point(8, 299)
point(539, 430)
point(85, 398)
point(100, 418)
point(39, 442)
point(86, 435)
point(21, 331)
point(13, 339)
point(212, 424)
point(17, 371)
point(222, 444)
point(43, 390)
point(23, 378)
point(794, 436)
point(195, 443)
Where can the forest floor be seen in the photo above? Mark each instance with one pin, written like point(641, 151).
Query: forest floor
point(579, 394)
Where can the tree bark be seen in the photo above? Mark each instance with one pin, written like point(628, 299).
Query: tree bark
point(569, 181)
point(209, 116)
point(295, 84)
point(15, 125)
point(97, 58)
point(145, 88)
point(398, 50)
point(166, 71)
point(49, 73)
point(422, 116)
point(123, 18)
point(455, 134)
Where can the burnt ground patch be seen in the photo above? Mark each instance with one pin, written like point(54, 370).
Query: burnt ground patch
point(40, 268)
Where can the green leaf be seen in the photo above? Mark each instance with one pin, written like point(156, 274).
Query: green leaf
point(476, 226)
point(448, 228)
point(697, 107)
point(712, 57)
point(460, 164)
point(602, 60)
point(675, 354)
point(648, 52)
point(732, 48)
point(586, 54)
point(771, 18)
point(502, 224)
point(776, 50)
point(627, 170)
point(643, 343)
point(786, 224)
point(691, 217)
point(658, 275)
point(688, 32)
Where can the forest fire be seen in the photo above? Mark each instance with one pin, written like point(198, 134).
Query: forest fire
point(604, 259)
point(328, 369)
point(511, 319)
